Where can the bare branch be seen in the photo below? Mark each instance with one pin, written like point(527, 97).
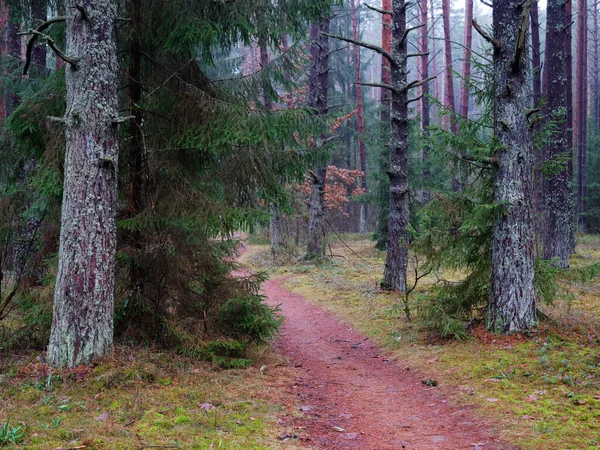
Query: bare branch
point(408, 30)
point(522, 40)
point(416, 99)
point(379, 85)
point(486, 36)
point(486, 3)
point(414, 55)
point(33, 38)
point(418, 83)
point(123, 119)
point(379, 10)
point(375, 48)
point(84, 15)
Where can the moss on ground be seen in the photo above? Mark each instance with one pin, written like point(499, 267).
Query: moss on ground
point(141, 398)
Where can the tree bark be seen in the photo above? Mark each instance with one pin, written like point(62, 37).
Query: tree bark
point(580, 114)
point(512, 305)
point(394, 276)
point(318, 90)
point(361, 118)
point(82, 326)
point(39, 14)
point(434, 62)
point(558, 186)
point(595, 79)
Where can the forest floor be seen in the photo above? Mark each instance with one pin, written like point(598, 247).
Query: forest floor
point(540, 391)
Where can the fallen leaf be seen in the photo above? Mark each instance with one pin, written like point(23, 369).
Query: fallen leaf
point(531, 398)
point(492, 399)
point(206, 406)
point(339, 429)
point(103, 416)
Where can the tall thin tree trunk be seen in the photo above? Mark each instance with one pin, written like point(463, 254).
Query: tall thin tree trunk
point(318, 90)
point(386, 44)
point(435, 68)
point(137, 197)
point(275, 220)
point(394, 276)
point(449, 97)
point(595, 78)
point(538, 198)
point(13, 47)
point(558, 186)
point(39, 12)
point(3, 52)
point(361, 118)
point(580, 115)
point(512, 303)
point(82, 326)
point(466, 68)
point(425, 110)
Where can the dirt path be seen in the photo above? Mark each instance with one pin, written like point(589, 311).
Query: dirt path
point(345, 381)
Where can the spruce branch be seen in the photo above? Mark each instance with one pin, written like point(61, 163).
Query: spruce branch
point(373, 47)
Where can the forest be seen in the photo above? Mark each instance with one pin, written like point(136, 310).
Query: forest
point(281, 224)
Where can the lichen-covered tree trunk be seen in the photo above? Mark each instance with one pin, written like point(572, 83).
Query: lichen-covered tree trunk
point(82, 326)
point(449, 100)
point(558, 185)
point(394, 276)
point(512, 303)
point(317, 99)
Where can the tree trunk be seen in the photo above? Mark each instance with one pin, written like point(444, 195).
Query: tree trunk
point(275, 220)
point(466, 68)
point(394, 276)
point(595, 79)
point(13, 48)
point(39, 14)
point(538, 197)
point(580, 115)
point(449, 97)
point(425, 110)
point(361, 118)
point(317, 99)
point(558, 186)
point(82, 327)
point(3, 52)
point(137, 198)
point(434, 62)
point(386, 44)
point(512, 305)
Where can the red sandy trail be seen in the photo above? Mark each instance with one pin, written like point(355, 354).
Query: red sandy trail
point(345, 381)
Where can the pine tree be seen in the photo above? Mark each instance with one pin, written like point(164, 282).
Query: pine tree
point(82, 328)
point(512, 305)
point(557, 182)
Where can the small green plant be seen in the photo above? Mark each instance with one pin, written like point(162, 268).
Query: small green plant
point(10, 434)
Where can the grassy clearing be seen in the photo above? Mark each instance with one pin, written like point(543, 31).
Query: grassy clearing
point(542, 391)
point(142, 399)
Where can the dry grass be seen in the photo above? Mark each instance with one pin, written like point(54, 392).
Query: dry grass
point(140, 398)
point(542, 391)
